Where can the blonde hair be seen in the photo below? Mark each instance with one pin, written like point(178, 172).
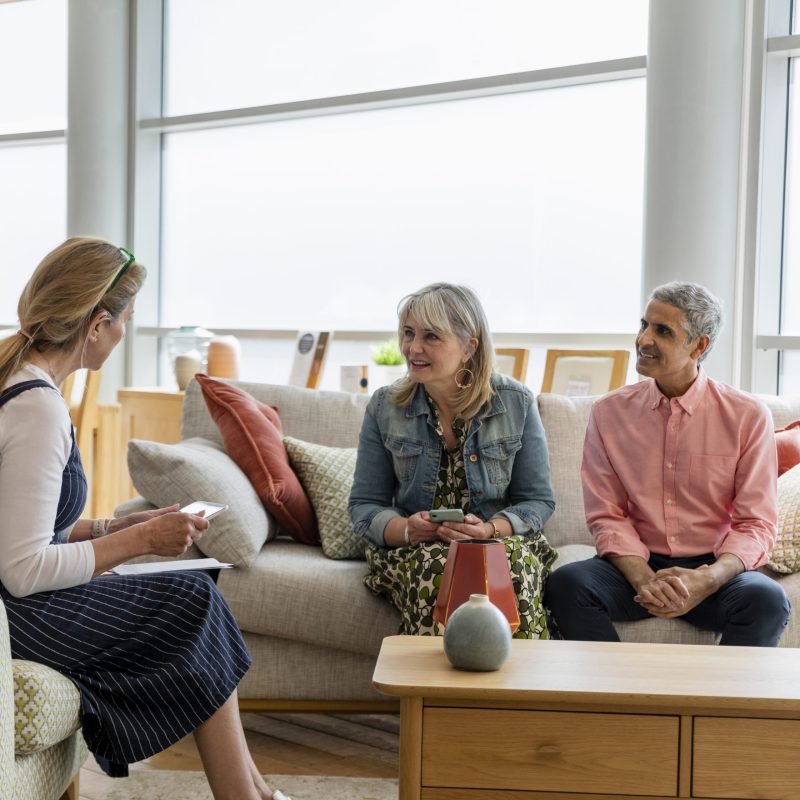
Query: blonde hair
point(446, 308)
point(71, 284)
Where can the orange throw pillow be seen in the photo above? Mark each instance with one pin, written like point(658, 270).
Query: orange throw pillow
point(788, 442)
point(253, 438)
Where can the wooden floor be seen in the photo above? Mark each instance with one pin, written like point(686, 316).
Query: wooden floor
point(355, 745)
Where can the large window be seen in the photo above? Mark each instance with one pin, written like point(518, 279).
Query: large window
point(325, 219)
point(790, 314)
point(337, 217)
point(33, 98)
point(241, 53)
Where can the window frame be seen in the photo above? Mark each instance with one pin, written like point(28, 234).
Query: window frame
point(778, 48)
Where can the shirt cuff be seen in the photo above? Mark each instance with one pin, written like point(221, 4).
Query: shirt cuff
point(611, 543)
point(378, 525)
point(518, 526)
point(748, 550)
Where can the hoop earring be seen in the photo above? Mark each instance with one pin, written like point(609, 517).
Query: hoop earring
point(467, 381)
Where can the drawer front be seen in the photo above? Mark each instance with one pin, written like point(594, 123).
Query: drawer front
point(746, 758)
point(550, 751)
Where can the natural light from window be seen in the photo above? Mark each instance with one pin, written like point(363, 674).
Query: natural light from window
point(33, 176)
point(326, 222)
point(790, 289)
point(33, 210)
point(242, 53)
point(33, 60)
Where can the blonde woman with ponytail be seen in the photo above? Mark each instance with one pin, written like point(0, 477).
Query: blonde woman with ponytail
point(156, 656)
point(452, 434)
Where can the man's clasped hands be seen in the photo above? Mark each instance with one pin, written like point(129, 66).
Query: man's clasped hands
point(673, 591)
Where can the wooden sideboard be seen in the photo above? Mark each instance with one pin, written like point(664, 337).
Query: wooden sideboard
point(146, 413)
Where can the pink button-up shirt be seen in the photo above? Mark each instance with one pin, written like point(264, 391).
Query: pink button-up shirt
point(683, 476)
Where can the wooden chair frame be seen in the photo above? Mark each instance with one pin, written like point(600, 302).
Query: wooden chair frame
point(520, 356)
point(619, 370)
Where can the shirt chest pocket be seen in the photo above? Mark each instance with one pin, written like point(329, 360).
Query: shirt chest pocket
point(405, 455)
point(712, 479)
point(498, 458)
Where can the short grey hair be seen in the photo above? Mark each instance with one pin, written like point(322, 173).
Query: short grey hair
point(702, 310)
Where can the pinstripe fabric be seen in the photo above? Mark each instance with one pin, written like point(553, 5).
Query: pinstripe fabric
point(153, 656)
point(73, 487)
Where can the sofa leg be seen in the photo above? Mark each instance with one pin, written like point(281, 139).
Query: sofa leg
point(73, 791)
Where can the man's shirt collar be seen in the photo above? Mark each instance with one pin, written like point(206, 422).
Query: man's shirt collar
point(688, 401)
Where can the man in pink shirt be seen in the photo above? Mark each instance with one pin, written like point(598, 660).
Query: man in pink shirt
point(679, 484)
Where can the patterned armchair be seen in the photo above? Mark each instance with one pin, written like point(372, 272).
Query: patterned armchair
point(41, 748)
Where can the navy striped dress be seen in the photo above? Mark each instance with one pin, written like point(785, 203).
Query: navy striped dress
point(153, 656)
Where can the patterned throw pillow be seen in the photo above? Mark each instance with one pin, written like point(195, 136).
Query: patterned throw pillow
point(327, 476)
point(786, 553)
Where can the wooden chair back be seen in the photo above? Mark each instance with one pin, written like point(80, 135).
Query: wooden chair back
point(80, 391)
point(512, 361)
point(584, 372)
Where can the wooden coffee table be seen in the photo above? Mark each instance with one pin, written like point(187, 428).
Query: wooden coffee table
point(585, 720)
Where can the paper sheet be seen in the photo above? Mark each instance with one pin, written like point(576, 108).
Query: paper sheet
point(169, 566)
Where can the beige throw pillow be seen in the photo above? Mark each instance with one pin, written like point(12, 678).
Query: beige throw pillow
point(327, 476)
point(197, 469)
point(786, 553)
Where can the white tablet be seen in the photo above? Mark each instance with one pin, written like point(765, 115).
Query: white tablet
point(211, 509)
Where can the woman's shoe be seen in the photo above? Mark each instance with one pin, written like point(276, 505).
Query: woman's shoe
point(279, 795)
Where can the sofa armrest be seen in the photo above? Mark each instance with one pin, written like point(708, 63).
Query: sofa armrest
point(132, 506)
point(7, 769)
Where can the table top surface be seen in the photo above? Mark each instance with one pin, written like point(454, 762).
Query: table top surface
point(599, 672)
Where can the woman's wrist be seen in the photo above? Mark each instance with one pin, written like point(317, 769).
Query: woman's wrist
point(101, 527)
point(495, 531)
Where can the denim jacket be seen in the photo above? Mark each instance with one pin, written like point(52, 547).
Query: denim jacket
point(505, 456)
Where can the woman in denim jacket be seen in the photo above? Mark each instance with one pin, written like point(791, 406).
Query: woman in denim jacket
point(451, 434)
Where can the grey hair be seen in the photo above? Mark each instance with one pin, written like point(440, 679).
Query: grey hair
point(702, 311)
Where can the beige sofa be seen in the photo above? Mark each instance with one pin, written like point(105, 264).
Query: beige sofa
point(313, 628)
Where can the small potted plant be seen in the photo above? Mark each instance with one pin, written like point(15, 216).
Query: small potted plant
point(389, 364)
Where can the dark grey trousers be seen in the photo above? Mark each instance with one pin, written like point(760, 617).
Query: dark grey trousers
point(585, 597)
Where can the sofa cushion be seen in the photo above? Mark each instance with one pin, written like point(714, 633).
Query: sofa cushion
point(329, 418)
point(565, 420)
point(292, 591)
point(251, 432)
point(786, 553)
point(784, 408)
point(787, 440)
point(197, 469)
point(327, 475)
point(326, 673)
point(46, 707)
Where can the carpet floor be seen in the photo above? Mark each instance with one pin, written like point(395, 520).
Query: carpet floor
point(174, 785)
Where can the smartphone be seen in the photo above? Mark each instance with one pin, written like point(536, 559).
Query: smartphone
point(211, 509)
point(446, 515)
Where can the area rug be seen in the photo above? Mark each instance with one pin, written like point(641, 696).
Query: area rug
point(173, 785)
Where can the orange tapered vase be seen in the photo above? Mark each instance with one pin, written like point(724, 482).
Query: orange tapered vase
point(477, 567)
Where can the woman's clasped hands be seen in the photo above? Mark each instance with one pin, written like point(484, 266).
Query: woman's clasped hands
point(422, 529)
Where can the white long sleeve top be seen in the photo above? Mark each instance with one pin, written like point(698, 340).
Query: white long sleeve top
point(35, 444)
